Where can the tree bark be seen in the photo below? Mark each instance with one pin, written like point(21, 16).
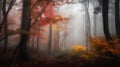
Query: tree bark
point(105, 5)
point(117, 22)
point(25, 26)
point(5, 26)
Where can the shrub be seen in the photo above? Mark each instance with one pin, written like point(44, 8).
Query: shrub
point(78, 50)
point(99, 46)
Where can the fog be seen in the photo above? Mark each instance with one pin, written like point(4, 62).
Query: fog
point(76, 27)
point(77, 22)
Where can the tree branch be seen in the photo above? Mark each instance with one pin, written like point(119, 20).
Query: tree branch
point(6, 12)
point(39, 15)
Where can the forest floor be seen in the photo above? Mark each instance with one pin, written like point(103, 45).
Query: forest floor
point(43, 59)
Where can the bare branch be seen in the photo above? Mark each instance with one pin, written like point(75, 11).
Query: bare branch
point(6, 12)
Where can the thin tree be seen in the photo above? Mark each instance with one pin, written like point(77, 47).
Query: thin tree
point(87, 23)
point(5, 25)
point(50, 38)
point(6, 11)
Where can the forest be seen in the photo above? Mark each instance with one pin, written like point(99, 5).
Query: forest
point(59, 33)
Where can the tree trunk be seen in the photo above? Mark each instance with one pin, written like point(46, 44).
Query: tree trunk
point(95, 23)
point(57, 38)
point(94, 18)
point(105, 5)
point(38, 42)
point(117, 22)
point(5, 12)
point(6, 37)
point(50, 38)
point(5, 26)
point(25, 26)
point(38, 39)
point(88, 28)
point(32, 37)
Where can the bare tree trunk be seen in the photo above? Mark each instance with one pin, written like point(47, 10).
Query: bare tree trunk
point(88, 28)
point(94, 18)
point(38, 43)
point(38, 39)
point(58, 37)
point(6, 37)
point(25, 25)
point(95, 23)
point(32, 42)
point(63, 41)
point(105, 5)
point(5, 12)
point(50, 38)
point(5, 26)
point(117, 21)
point(55, 40)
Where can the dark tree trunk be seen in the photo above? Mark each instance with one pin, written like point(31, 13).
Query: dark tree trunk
point(25, 26)
point(105, 5)
point(5, 26)
point(6, 11)
point(117, 22)
point(6, 37)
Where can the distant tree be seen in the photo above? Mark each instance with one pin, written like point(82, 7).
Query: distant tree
point(95, 16)
point(87, 23)
point(105, 6)
point(117, 18)
point(97, 9)
point(57, 37)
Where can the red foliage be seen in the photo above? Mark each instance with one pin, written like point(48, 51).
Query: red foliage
point(43, 13)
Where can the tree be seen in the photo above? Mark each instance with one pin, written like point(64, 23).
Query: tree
point(105, 5)
point(25, 26)
point(3, 23)
point(43, 13)
point(94, 17)
point(48, 13)
point(97, 9)
point(117, 21)
point(7, 11)
point(87, 22)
